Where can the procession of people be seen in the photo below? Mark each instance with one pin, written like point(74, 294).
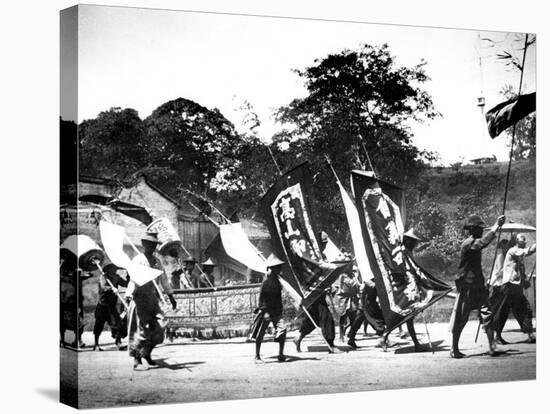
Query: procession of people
point(352, 301)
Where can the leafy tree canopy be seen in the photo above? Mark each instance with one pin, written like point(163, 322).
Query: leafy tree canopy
point(180, 144)
point(358, 102)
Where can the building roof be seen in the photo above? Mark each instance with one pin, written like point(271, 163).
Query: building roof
point(158, 190)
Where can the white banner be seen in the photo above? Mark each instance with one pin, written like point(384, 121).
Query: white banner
point(356, 235)
point(112, 237)
point(237, 246)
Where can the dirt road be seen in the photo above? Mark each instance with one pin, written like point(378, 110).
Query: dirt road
point(219, 370)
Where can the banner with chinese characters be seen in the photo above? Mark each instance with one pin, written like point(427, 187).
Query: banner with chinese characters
point(403, 287)
point(287, 210)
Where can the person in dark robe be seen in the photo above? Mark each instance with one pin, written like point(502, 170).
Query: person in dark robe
point(472, 292)
point(410, 240)
point(106, 309)
point(270, 309)
point(189, 264)
point(72, 300)
point(208, 270)
point(147, 329)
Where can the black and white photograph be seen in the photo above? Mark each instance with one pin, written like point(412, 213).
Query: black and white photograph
point(261, 206)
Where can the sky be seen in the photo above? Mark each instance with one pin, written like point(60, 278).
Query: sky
point(142, 58)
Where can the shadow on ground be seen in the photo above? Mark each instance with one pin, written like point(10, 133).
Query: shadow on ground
point(49, 393)
point(436, 347)
point(174, 367)
point(289, 358)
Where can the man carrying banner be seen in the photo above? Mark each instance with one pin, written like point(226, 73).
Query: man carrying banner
point(497, 299)
point(410, 240)
point(148, 330)
point(106, 309)
point(371, 313)
point(270, 309)
point(347, 296)
point(293, 232)
point(514, 280)
point(472, 293)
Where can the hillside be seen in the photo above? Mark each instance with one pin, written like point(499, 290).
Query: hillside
point(444, 197)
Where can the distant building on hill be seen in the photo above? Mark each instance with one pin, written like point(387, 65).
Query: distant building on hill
point(484, 160)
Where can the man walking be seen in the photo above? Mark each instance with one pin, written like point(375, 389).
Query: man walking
point(499, 302)
point(347, 297)
point(148, 330)
point(410, 240)
point(270, 309)
point(106, 309)
point(514, 279)
point(472, 293)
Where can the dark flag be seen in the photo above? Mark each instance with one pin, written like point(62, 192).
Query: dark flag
point(507, 113)
point(130, 210)
point(403, 287)
point(288, 214)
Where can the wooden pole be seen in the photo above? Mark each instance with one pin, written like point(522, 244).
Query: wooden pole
point(210, 203)
point(274, 160)
point(509, 169)
point(427, 332)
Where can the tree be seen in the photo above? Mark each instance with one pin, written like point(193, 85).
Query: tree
point(112, 145)
point(181, 144)
point(357, 103)
point(190, 144)
point(242, 186)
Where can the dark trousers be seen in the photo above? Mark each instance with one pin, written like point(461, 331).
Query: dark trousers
point(499, 307)
point(321, 315)
point(370, 313)
point(345, 319)
point(511, 297)
point(145, 331)
point(261, 323)
point(109, 314)
point(470, 298)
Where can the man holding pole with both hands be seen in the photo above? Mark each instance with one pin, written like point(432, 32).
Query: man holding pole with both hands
point(470, 284)
point(146, 323)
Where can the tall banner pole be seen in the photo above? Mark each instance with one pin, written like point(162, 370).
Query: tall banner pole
point(509, 169)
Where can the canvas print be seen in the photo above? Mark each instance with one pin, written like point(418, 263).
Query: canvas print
point(257, 206)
